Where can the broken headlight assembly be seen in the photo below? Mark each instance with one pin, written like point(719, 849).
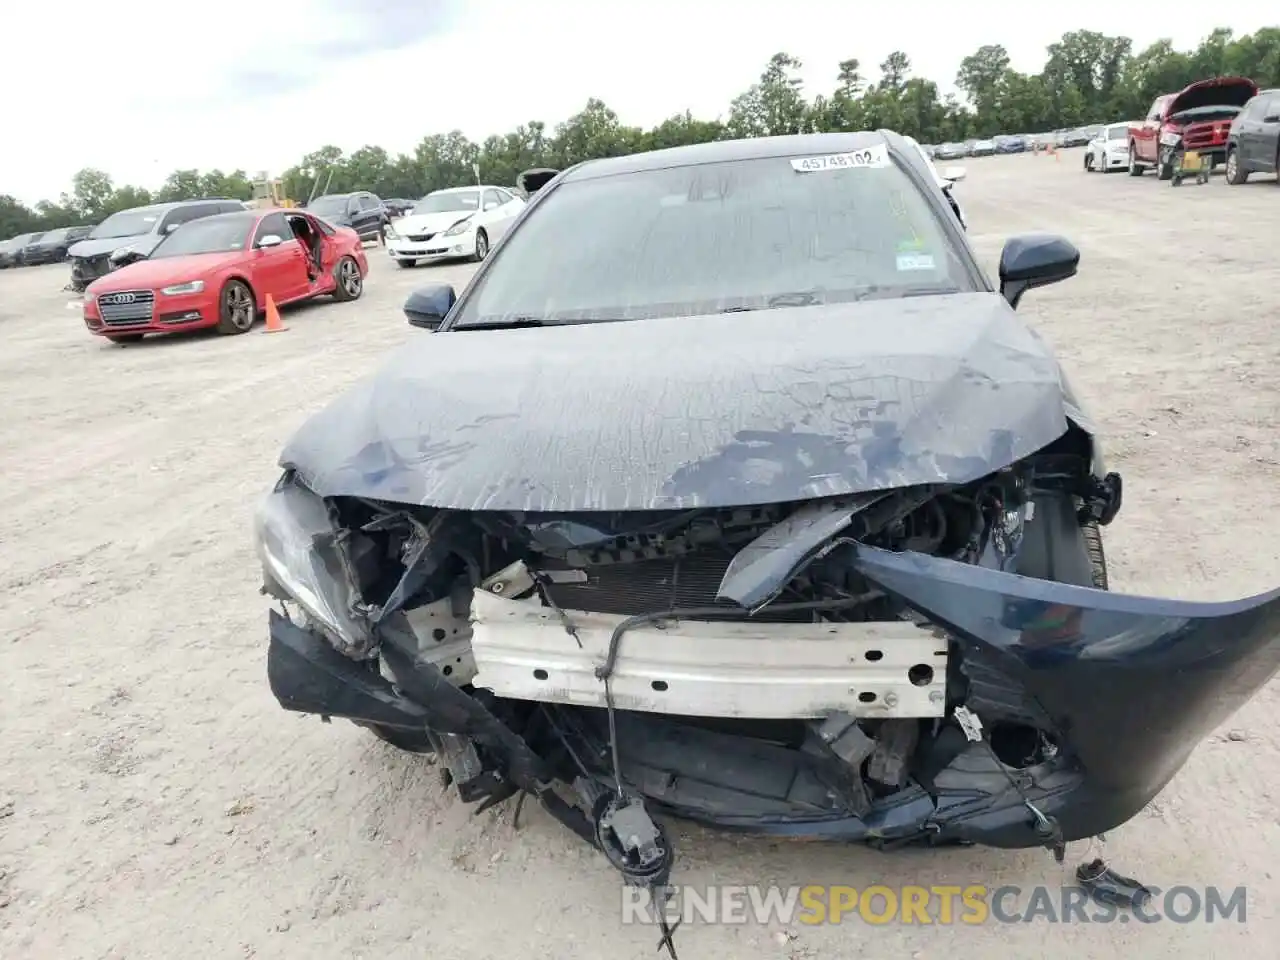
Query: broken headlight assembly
point(304, 561)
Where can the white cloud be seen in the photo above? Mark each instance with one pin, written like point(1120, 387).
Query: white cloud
point(143, 87)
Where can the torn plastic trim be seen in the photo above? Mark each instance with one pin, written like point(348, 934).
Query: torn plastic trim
point(764, 566)
point(308, 675)
point(759, 572)
point(1131, 683)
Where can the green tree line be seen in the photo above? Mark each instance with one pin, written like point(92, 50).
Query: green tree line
point(1087, 77)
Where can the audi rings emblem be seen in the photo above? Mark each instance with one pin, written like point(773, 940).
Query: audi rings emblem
point(121, 298)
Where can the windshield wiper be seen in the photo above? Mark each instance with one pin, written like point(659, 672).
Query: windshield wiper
point(511, 323)
point(516, 322)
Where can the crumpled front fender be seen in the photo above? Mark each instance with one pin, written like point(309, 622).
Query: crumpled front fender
point(1130, 684)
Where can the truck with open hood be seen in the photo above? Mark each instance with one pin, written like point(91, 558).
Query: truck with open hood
point(1196, 118)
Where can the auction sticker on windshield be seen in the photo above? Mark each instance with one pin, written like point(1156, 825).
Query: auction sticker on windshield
point(877, 156)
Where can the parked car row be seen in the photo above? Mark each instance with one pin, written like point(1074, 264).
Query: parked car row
point(1014, 143)
point(1220, 121)
point(33, 249)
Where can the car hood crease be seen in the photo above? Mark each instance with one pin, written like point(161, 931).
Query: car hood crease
point(724, 410)
point(96, 248)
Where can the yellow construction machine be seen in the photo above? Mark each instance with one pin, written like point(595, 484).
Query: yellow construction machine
point(269, 192)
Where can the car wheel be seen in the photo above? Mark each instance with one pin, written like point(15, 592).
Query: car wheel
point(123, 338)
point(1135, 169)
point(350, 283)
point(407, 263)
point(1088, 163)
point(410, 741)
point(237, 308)
point(1235, 172)
point(482, 246)
point(1164, 165)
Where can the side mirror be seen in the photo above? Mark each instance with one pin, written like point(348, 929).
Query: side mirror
point(268, 241)
point(169, 228)
point(428, 306)
point(954, 174)
point(1035, 260)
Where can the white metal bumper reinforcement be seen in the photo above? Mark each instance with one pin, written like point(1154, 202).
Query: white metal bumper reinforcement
point(710, 669)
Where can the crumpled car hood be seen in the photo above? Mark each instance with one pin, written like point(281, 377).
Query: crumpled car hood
point(724, 410)
point(145, 242)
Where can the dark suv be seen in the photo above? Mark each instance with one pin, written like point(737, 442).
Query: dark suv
point(132, 234)
point(1253, 143)
point(51, 247)
point(362, 212)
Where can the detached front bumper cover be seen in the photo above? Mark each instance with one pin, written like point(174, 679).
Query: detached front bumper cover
point(1131, 683)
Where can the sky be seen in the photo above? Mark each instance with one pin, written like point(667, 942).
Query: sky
point(139, 88)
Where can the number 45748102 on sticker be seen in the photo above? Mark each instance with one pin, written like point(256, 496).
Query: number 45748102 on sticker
point(877, 156)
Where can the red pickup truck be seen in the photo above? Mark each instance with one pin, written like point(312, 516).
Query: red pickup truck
point(1199, 116)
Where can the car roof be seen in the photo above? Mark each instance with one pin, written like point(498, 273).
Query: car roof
point(466, 189)
point(232, 214)
point(171, 204)
point(721, 151)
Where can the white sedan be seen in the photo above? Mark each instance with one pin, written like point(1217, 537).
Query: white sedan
point(461, 222)
point(1109, 150)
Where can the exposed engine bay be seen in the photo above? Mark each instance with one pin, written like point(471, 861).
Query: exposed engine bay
point(730, 665)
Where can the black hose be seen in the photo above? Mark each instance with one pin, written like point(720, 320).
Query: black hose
point(605, 670)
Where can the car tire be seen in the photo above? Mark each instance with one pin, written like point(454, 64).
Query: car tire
point(1135, 168)
point(1088, 162)
point(482, 246)
point(1164, 165)
point(349, 282)
point(410, 741)
point(407, 263)
point(123, 338)
point(1236, 174)
point(237, 308)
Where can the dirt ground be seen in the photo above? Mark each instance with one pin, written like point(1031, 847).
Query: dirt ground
point(156, 802)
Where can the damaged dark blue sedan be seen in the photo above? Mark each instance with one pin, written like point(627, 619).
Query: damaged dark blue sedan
point(731, 488)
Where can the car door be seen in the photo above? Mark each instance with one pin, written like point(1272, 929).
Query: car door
point(329, 242)
point(370, 215)
point(355, 215)
point(378, 213)
point(1147, 135)
point(1265, 134)
point(279, 269)
point(1245, 130)
point(495, 214)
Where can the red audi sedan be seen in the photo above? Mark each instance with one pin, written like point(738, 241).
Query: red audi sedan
point(218, 272)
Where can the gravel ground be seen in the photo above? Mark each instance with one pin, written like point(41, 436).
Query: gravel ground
point(156, 802)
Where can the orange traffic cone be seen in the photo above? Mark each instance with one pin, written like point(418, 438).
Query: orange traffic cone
point(274, 323)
